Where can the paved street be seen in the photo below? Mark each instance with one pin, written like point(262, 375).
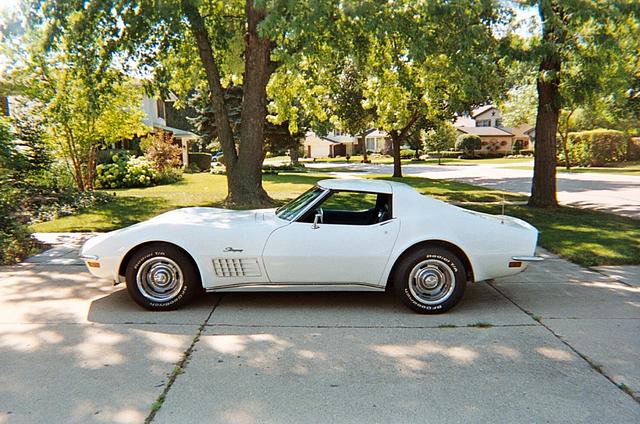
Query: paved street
point(614, 193)
point(557, 343)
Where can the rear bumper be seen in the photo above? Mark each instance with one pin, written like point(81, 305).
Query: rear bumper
point(528, 258)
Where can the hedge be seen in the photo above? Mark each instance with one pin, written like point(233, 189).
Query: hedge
point(446, 154)
point(596, 147)
point(202, 160)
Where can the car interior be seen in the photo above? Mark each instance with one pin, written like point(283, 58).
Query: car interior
point(351, 208)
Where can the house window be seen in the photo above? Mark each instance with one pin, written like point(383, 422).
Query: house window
point(498, 123)
point(370, 143)
point(483, 123)
point(161, 112)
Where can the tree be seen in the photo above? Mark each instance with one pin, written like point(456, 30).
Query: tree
point(468, 143)
point(423, 68)
point(520, 105)
point(70, 77)
point(442, 137)
point(579, 40)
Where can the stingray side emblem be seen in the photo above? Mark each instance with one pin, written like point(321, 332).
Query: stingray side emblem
point(231, 249)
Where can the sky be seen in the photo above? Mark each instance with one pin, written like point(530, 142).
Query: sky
point(8, 4)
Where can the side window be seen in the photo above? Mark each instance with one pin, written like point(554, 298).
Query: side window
point(350, 201)
point(352, 208)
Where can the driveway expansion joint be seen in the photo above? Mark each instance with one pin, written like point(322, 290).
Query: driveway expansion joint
point(180, 366)
point(597, 368)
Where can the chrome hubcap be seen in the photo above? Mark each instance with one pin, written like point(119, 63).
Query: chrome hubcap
point(159, 279)
point(432, 281)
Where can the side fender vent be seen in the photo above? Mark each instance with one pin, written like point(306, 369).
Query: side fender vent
point(245, 267)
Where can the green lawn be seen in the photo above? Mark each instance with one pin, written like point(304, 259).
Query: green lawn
point(582, 236)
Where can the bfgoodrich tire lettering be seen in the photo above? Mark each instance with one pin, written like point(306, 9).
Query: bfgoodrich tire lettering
point(430, 280)
point(161, 277)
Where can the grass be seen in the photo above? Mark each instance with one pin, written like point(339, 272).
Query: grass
point(583, 236)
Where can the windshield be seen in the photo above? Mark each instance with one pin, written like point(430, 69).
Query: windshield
point(291, 209)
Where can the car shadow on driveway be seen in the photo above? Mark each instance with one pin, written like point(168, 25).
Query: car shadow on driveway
point(481, 304)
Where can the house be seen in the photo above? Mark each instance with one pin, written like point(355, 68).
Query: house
point(337, 143)
point(494, 140)
point(486, 122)
point(376, 141)
point(160, 114)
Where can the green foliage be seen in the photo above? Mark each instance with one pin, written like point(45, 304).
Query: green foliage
point(407, 153)
point(15, 239)
point(202, 160)
point(516, 147)
point(520, 105)
point(597, 147)
point(442, 137)
point(451, 154)
point(63, 62)
point(468, 143)
point(126, 172)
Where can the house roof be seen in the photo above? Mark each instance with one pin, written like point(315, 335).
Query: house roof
point(377, 133)
point(486, 131)
point(481, 110)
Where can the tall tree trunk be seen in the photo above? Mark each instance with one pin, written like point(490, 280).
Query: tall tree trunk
point(294, 154)
point(244, 165)
point(543, 187)
point(395, 151)
point(246, 178)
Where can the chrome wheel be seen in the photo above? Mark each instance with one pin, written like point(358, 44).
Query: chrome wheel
point(159, 279)
point(432, 281)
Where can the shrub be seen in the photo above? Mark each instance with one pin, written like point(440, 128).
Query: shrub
point(193, 168)
point(633, 149)
point(161, 151)
point(202, 160)
point(516, 147)
point(274, 169)
point(526, 152)
point(106, 156)
point(451, 154)
point(407, 153)
point(126, 172)
point(596, 147)
point(468, 143)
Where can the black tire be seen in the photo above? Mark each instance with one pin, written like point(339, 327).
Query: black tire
point(430, 280)
point(161, 277)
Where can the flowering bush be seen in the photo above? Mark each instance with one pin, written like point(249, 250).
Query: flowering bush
point(126, 172)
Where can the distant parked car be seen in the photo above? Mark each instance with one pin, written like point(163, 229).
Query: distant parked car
point(215, 158)
point(354, 235)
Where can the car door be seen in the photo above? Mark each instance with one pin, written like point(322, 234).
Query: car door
point(348, 252)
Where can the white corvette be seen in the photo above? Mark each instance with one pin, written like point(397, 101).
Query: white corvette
point(364, 235)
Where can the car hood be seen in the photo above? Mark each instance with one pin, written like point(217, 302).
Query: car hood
point(213, 216)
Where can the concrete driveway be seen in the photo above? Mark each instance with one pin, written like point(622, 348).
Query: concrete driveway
point(614, 193)
point(557, 343)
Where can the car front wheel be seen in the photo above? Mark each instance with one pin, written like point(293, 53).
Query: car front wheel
point(430, 280)
point(161, 277)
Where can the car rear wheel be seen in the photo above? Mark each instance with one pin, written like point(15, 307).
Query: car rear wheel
point(161, 277)
point(430, 280)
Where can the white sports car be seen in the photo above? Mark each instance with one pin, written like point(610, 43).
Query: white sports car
point(356, 235)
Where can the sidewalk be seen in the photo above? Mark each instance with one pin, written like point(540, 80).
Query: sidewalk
point(558, 343)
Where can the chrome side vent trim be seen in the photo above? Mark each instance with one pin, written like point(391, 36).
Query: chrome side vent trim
point(244, 267)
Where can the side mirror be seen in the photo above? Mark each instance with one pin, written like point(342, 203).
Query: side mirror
point(316, 220)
